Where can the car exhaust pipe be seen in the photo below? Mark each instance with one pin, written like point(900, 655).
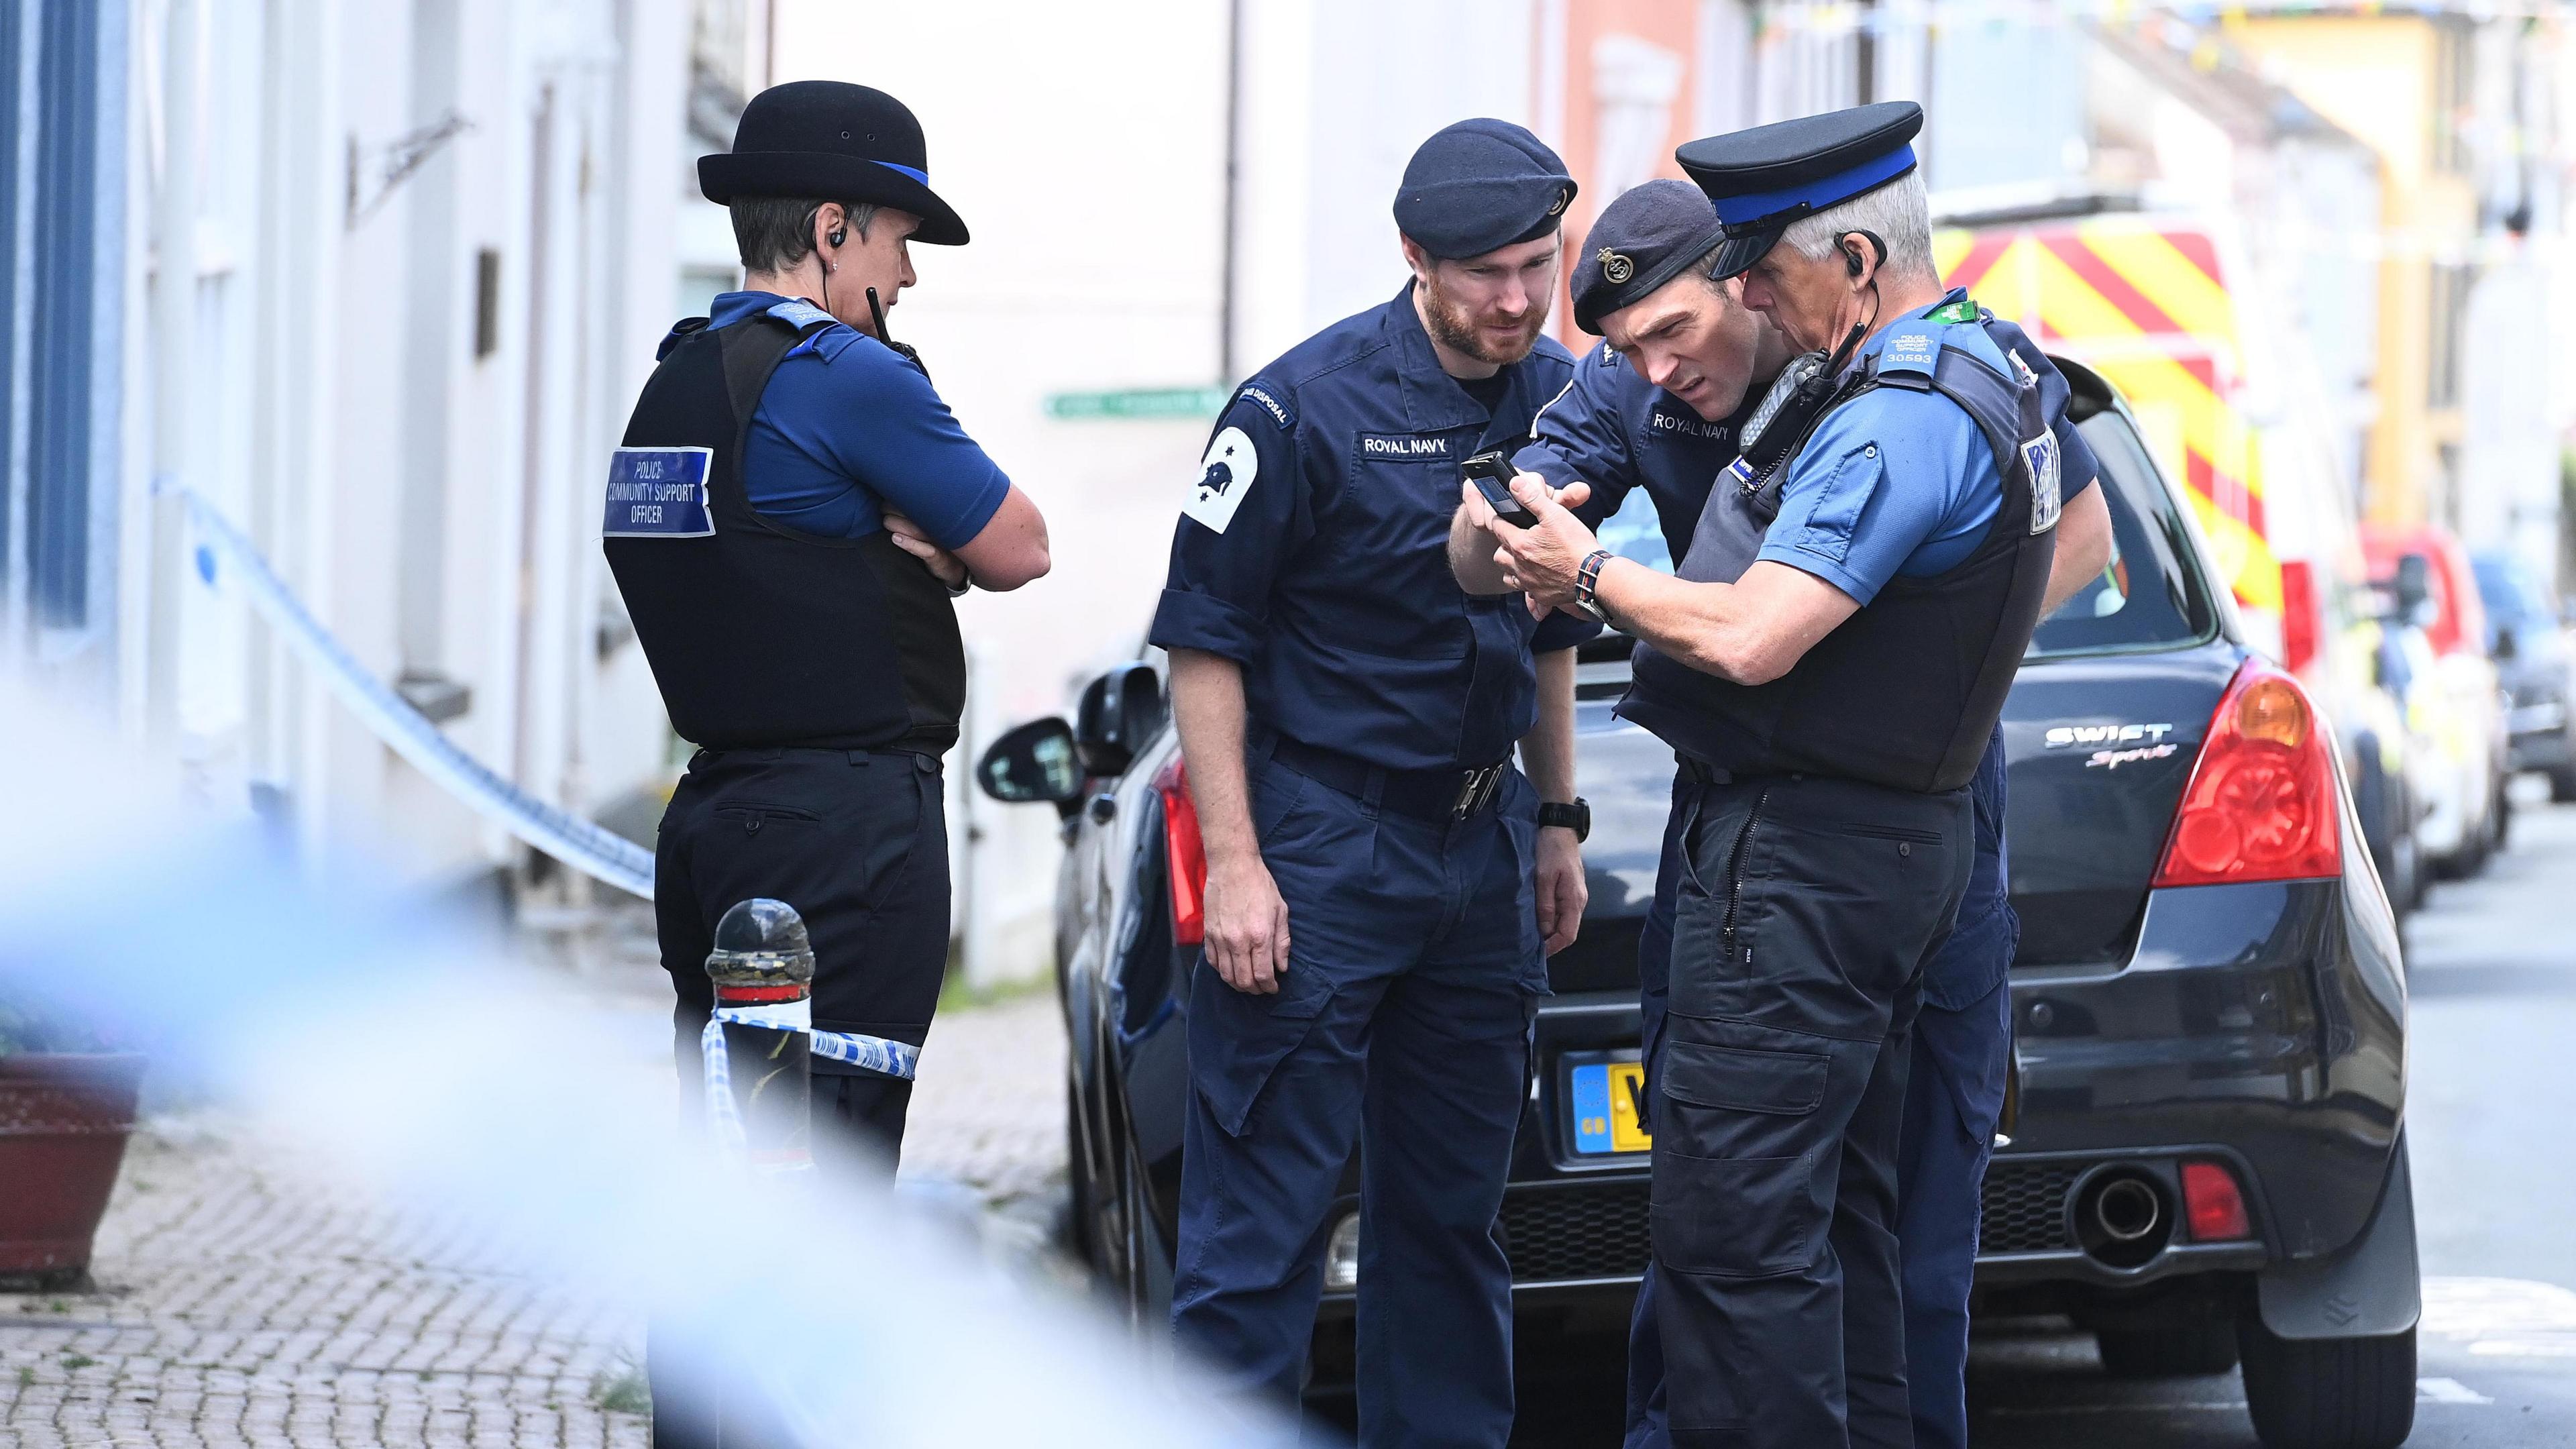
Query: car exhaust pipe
point(2123, 1217)
point(2127, 1209)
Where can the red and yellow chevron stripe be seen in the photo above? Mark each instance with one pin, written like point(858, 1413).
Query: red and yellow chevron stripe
point(2144, 303)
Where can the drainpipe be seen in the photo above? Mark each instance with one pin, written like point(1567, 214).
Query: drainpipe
point(174, 307)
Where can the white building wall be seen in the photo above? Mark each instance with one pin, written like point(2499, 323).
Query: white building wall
point(337, 405)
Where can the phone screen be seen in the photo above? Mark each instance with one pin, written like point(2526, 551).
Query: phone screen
point(1493, 479)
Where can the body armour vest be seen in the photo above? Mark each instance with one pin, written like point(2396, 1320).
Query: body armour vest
point(1906, 692)
point(760, 635)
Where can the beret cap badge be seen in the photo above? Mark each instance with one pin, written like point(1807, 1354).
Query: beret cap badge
point(1615, 267)
point(1562, 198)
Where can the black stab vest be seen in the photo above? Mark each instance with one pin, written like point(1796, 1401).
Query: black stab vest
point(760, 635)
point(1906, 692)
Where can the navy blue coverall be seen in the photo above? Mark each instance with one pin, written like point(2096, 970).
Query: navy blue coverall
point(1619, 432)
point(1313, 552)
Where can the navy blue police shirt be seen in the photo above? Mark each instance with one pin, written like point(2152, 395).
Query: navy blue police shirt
point(1617, 432)
point(848, 431)
point(1313, 549)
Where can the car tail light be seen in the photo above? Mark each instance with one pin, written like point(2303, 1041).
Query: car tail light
point(2299, 619)
point(1183, 853)
point(2212, 1204)
point(2262, 803)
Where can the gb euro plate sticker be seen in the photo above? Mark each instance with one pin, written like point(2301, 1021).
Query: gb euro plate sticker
point(1225, 474)
point(658, 493)
point(2041, 454)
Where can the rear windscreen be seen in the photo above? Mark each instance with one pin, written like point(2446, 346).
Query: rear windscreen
point(2152, 594)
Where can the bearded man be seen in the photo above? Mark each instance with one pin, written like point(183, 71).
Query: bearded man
point(1383, 887)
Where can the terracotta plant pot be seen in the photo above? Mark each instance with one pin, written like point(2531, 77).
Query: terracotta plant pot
point(64, 1118)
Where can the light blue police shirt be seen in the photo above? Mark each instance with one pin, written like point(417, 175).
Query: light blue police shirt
point(1893, 482)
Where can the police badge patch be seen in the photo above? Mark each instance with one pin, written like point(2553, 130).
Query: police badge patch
point(1224, 475)
point(657, 493)
point(2040, 454)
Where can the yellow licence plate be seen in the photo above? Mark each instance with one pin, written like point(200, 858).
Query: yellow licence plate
point(1603, 1098)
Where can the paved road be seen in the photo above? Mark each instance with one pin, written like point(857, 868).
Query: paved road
point(2492, 1125)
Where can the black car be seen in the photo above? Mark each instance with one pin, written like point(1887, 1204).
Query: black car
point(2534, 665)
point(2207, 1157)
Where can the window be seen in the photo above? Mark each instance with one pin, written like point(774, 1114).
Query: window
point(2154, 594)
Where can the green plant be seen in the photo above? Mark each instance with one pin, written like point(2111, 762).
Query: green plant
point(622, 1389)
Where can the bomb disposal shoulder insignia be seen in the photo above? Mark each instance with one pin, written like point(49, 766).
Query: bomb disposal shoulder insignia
point(1225, 475)
point(1272, 400)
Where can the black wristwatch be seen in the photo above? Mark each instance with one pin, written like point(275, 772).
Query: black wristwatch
point(1576, 817)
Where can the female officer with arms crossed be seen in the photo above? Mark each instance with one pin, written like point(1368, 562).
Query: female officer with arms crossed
point(797, 615)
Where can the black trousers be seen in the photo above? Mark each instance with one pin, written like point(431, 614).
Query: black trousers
point(1806, 910)
point(857, 842)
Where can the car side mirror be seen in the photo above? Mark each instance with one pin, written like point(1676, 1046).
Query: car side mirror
point(1119, 712)
point(1032, 762)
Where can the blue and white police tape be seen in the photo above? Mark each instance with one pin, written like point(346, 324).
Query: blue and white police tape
point(871, 1053)
point(576, 842)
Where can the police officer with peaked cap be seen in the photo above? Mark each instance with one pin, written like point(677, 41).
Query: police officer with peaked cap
point(1830, 702)
point(790, 515)
point(1680, 349)
point(1383, 886)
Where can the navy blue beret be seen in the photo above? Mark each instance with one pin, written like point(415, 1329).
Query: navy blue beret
point(1478, 185)
point(1643, 240)
point(1767, 177)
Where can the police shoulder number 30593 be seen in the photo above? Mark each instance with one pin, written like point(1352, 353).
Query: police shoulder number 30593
point(658, 493)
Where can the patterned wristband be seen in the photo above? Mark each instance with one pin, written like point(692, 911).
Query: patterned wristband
point(1588, 576)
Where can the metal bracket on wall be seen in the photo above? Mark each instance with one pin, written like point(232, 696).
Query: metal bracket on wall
point(395, 161)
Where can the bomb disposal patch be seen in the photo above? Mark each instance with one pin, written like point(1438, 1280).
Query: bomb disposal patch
point(1225, 474)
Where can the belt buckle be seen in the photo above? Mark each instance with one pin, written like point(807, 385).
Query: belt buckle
point(1476, 790)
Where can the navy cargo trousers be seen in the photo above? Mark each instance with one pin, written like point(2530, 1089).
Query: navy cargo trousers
point(1402, 1024)
point(1805, 912)
point(1962, 1047)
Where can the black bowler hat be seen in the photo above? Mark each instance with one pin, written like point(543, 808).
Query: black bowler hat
point(1481, 184)
point(831, 141)
point(1767, 177)
point(1641, 241)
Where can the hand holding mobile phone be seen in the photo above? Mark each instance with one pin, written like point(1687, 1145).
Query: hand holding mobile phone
point(1492, 474)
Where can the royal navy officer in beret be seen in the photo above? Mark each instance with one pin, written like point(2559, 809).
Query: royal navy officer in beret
point(1830, 703)
point(1660, 405)
point(1384, 885)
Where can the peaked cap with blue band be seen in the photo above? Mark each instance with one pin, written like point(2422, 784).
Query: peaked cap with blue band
point(831, 141)
point(1481, 184)
point(1642, 240)
point(1767, 177)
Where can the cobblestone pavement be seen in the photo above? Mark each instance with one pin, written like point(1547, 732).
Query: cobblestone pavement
point(243, 1296)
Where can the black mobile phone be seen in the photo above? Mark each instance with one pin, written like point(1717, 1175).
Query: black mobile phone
point(1492, 475)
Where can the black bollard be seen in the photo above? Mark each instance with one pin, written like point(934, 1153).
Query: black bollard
point(763, 970)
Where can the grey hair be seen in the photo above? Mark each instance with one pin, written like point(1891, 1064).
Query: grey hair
point(774, 233)
point(1898, 213)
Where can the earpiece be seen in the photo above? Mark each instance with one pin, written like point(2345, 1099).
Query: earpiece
point(1851, 254)
point(836, 236)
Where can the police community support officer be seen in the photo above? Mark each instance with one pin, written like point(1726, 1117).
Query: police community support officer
point(1383, 887)
point(792, 609)
point(1661, 405)
point(1831, 707)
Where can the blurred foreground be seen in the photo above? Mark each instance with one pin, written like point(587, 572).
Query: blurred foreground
point(406, 1184)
